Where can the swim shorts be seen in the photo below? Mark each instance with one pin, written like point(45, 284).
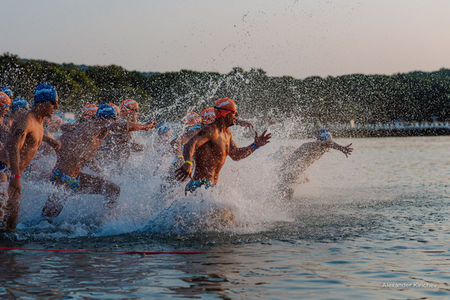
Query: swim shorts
point(195, 184)
point(74, 183)
point(3, 167)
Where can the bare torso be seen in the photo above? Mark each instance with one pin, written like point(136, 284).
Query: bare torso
point(210, 157)
point(301, 159)
point(79, 145)
point(33, 130)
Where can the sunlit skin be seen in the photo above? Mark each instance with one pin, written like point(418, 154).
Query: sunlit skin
point(304, 156)
point(79, 145)
point(210, 148)
point(24, 139)
point(119, 144)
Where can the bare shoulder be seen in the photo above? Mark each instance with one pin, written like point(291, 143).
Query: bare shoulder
point(22, 124)
point(208, 131)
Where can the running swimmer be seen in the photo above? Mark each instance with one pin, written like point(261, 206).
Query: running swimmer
point(304, 156)
point(19, 106)
point(24, 139)
point(5, 103)
point(211, 146)
point(78, 148)
point(120, 143)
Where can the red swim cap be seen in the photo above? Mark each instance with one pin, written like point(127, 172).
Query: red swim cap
point(224, 106)
point(89, 111)
point(5, 101)
point(208, 115)
point(116, 108)
point(129, 105)
point(191, 118)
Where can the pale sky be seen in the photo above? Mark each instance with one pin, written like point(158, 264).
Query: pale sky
point(299, 38)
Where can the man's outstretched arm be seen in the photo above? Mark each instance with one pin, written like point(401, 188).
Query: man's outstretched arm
point(241, 153)
point(347, 150)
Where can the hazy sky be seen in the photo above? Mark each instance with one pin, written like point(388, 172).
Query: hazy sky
point(284, 37)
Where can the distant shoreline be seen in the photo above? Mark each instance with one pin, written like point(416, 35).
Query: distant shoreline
point(361, 133)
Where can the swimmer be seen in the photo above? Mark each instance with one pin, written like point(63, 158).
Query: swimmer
point(89, 112)
point(119, 144)
point(4, 131)
point(192, 123)
point(24, 139)
point(5, 103)
point(195, 123)
point(211, 146)
point(19, 106)
point(78, 148)
point(304, 156)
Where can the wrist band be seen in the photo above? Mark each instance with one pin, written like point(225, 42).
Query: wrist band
point(254, 146)
point(180, 156)
point(15, 176)
point(189, 162)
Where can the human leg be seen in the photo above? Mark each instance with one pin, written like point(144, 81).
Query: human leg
point(91, 184)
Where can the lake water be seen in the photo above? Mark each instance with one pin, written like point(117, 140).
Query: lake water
point(375, 225)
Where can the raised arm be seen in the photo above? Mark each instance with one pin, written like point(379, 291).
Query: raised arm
point(240, 153)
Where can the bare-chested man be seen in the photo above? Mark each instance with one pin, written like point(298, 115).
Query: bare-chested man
point(24, 139)
point(79, 145)
point(194, 124)
point(304, 156)
point(211, 146)
point(119, 144)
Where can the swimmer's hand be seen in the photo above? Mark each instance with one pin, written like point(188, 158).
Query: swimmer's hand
point(263, 139)
point(149, 126)
point(183, 172)
point(245, 124)
point(347, 150)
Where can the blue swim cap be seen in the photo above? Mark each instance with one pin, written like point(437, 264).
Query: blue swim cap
point(44, 92)
point(106, 111)
point(6, 90)
point(323, 135)
point(163, 128)
point(18, 103)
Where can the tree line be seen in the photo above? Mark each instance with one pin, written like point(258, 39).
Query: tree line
point(414, 96)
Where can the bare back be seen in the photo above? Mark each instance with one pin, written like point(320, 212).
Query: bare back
point(79, 145)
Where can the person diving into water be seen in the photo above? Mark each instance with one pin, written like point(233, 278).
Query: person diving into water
point(303, 157)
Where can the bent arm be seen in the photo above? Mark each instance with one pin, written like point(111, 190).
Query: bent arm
point(194, 143)
point(15, 142)
point(52, 142)
point(240, 153)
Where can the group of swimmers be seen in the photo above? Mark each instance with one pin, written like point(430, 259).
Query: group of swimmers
point(105, 133)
